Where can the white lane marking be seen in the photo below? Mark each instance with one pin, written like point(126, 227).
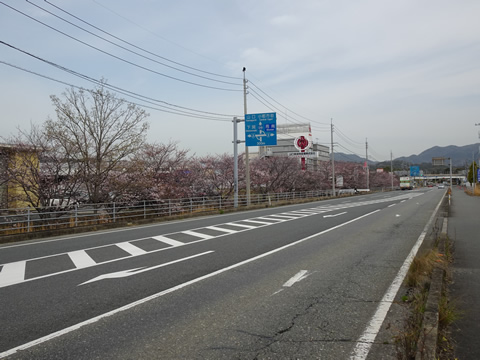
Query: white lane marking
point(131, 249)
point(230, 231)
point(12, 273)
point(296, 213)
point(270, 219)
point(168, 291)
point(130, 272)
point(197, 234)
point(242, 225)
point(334, 215)
point(276, 292)
point(168, 241)
point(391, 205)
point(81, 259)
point(258, 222)
point(296, 278)
point(273, 218)
point(364, 343)
point(283, 216)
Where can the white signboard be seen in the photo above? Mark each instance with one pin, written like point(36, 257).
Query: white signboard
point(310, 154)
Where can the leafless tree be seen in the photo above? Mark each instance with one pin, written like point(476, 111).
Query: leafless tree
point(97, 130)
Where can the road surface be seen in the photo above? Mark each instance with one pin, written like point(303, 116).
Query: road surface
point(303, 281)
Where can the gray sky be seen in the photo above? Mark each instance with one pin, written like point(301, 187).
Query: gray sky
point(404, 74)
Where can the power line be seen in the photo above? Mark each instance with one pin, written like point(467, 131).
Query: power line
point(117, 57)
point(159, 36)
point(170, 111)
point(123, 47)
point(283, 106)
point(97, 82)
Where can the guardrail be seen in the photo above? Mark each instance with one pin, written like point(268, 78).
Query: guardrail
point(26, 220)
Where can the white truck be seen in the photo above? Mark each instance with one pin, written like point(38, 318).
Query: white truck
point(406, 183)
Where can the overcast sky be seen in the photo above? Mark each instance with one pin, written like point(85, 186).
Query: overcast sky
point(403, 74)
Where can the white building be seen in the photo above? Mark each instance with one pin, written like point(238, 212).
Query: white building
point(290, 143)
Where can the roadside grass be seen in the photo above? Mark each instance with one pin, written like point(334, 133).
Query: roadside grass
point(418, 281)
point(448, 311)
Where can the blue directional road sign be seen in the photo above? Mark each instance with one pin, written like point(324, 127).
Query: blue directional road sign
point(414, 170)
point(261, 129)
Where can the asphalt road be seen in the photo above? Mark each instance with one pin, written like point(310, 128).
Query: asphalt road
point(300, 281)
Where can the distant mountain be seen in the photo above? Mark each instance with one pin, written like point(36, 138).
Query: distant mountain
point(350, 158)
point(460, 156)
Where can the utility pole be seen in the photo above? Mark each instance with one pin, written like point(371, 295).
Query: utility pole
point(391, 166)
point(235, 161)
point(333, 158)
point(366, 163)
point(247, 160)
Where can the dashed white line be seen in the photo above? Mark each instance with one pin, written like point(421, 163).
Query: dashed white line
point(221, 229)
point(12, 273)
point(131, 249)
point(257, 222)
point(168, 241)
point(242, 225)
point(197, 234)
point(81, 259)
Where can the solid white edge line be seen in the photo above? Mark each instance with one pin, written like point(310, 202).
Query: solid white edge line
point(365, 342)
point(165, 292)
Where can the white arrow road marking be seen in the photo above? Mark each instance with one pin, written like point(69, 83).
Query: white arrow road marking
point(333, 215)
point(302, 274)
point(130, 272)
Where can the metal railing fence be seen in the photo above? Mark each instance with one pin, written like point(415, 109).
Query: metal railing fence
point(24, 220)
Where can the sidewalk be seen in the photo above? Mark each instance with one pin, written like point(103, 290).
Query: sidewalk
point(464, 232)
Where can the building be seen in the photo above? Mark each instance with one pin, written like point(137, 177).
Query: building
point(288, 136)
point(18, 162)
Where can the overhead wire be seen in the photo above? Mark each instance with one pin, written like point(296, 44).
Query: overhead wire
point(155, 34)
point(123, 47)
point(283, 106)
point(176, 112)
point(117, 57)
point(123, 91)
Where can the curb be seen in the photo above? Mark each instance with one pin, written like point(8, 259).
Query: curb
point(427, 342)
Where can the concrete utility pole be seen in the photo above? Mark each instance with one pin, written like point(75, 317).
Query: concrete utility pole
point(235, 161)
point(333, 159)
point(247, 160)
point(366, 163)
point(391, 166)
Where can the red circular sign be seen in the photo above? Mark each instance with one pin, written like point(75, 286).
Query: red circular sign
point(302, 143)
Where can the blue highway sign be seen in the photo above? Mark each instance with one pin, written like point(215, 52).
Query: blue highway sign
point(261, 129)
